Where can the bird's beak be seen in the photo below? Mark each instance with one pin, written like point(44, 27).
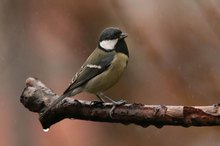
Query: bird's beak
point(123, 35)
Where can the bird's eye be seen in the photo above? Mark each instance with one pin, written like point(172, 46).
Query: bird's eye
point(117, 35)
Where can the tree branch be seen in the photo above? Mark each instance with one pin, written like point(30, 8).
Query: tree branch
point(36, 97)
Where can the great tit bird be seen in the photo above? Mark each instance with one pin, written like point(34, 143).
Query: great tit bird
point(102, 69)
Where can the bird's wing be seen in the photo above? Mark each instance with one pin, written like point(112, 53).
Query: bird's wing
point(88, 71)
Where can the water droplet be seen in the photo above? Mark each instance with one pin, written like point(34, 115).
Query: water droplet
point(46, 130)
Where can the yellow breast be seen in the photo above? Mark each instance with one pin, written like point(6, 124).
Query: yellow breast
point(109, 77)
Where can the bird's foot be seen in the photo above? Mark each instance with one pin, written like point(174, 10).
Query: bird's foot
point(115, 104)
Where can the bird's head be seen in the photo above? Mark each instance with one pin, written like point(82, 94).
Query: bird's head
point(109, 37)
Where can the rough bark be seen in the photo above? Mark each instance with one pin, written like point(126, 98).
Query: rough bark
point(36, 97)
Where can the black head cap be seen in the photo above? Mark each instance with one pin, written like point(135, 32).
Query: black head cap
point(110, 33)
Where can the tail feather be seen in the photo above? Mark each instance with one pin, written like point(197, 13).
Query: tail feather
point(59, 99)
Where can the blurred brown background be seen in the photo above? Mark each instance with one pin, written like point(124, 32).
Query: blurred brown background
point(175, 59)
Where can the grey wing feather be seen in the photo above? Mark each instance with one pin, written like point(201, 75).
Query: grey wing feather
point(87, 73)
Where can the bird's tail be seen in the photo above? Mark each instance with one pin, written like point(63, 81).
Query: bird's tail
point(52, 105)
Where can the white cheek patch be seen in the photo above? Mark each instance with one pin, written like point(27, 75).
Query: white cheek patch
point(108, 44)
point(93, 66)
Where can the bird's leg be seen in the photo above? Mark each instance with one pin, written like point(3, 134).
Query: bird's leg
point(100, 98)
point(102, 95)
point(115, 103)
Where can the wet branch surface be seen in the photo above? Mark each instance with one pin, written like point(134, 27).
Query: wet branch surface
point(36, 97)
